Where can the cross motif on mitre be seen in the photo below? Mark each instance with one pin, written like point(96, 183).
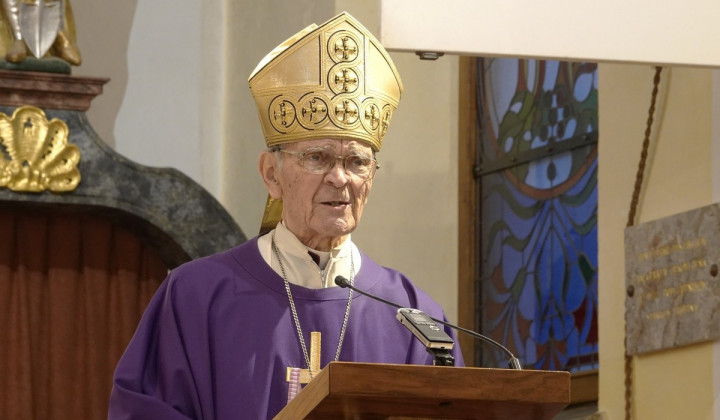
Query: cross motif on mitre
point(347, 48)
point(346, 112)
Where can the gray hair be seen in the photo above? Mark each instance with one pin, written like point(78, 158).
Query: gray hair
point(277, 151)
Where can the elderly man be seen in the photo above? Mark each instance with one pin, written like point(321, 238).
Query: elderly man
point(235, 335)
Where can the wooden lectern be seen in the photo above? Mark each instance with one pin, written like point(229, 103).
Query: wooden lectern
point(345, 390)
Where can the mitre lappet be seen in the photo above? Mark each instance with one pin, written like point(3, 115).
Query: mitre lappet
point(330, 81)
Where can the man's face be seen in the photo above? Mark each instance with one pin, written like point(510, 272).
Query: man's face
point(321, 209)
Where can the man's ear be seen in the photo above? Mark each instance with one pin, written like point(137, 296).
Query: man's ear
point(268, 167)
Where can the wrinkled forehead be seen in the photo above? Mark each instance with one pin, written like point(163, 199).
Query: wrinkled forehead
point(338, 145)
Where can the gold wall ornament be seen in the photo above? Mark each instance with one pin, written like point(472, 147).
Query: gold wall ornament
point(34, 153)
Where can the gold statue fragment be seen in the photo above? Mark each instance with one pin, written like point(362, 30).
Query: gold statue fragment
point(42, 28)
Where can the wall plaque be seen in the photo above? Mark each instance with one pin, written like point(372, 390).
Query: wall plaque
point(673, 292)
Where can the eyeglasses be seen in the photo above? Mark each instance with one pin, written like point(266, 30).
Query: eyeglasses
point(321, 160)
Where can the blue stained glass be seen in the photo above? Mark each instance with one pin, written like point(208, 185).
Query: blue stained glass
point(538, 283)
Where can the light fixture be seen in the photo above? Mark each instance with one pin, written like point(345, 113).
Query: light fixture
point(429, 55)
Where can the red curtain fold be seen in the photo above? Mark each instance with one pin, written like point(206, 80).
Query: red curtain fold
point(72, 290)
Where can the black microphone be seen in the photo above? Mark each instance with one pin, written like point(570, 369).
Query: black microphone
point(513, 362)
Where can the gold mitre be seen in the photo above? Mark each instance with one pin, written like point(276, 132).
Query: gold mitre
point(329, 81)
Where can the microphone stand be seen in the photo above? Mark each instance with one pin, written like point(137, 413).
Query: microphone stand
point(513, 362)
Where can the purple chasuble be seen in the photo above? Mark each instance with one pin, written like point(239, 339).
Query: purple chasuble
point(218, 336)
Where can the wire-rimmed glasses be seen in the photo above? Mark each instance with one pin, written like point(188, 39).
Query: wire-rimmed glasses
point(321, 160)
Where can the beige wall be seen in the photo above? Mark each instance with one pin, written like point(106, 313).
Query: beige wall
point(166, 63)
point(674, 384)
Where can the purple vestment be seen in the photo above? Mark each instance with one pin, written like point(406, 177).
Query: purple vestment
point(217, 337)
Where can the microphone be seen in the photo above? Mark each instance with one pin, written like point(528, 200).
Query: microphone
point(513, 362)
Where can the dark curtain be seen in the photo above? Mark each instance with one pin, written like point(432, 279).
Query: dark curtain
point(72, 290)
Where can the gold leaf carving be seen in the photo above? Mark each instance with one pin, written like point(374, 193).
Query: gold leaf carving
point(34, 153)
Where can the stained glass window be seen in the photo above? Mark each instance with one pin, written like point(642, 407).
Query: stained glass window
point(537, 290)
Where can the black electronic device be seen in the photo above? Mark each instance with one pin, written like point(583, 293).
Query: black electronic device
point(425, 329)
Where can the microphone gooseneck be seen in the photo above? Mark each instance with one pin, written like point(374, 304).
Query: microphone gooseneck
point(513, 362)
point(344, 283)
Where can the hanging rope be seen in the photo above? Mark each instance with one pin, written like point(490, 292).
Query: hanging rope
point(631, 222)
point(645, 146)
